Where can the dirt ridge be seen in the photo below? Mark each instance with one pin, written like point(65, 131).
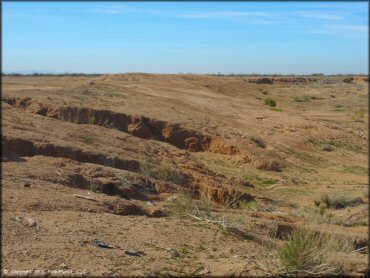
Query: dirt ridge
point(138, 126)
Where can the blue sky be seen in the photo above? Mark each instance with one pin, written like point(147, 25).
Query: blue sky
point(174, 37)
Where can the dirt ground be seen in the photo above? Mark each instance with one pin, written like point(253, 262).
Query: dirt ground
point(134, 145)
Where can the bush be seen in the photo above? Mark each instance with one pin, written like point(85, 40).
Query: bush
point(166, 173)
point(152, 168)
point(358, 116)
point(270, 102)
point(259, 142)
point(309, 252)
point(337, 202)
point(185, 205)
point(298, 253)
point(326, 147)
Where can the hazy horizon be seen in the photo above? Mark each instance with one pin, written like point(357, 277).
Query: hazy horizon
point(298, 38)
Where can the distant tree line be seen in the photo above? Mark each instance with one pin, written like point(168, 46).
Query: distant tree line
point(288, 75)
point(53, 74)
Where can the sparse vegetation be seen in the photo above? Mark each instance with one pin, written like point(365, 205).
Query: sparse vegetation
point(259, 180)
point(334, 144)
point(163, 170)
point(337, 202)
point(238, 211)
point(327, 147)
point(309, 252)
point(93, 186)
point(365, 192)
point(303, 98)
point(93, 120)
point(294, 180)
point(167, 173)
point(355, 170)
point(358, 116)
point(270, 102)
point(253, 205)
point(276, 109)
point(185, 205)
point(305, 157)
point(319, 215)
point(87, 139)
point(232, 200)
point(258, 140)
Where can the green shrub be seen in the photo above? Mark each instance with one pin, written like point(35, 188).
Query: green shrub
point(270, 102)
point(309, 252)
point(358, 116)
point(299, 252)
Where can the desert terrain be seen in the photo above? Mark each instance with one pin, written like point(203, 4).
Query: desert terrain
point(184, 175)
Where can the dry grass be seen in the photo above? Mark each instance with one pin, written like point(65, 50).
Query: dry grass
point(151, 168)
point(309, 252)
point(337, 202)
point(185, 205)
point(232, 200)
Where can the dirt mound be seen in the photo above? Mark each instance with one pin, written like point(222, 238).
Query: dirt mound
point(358, 79)
point(271, 80)
point(294, 79)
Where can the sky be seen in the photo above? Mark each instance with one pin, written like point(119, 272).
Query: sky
point(185, 37)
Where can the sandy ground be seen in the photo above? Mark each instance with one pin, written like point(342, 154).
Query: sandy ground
point(133, 143)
